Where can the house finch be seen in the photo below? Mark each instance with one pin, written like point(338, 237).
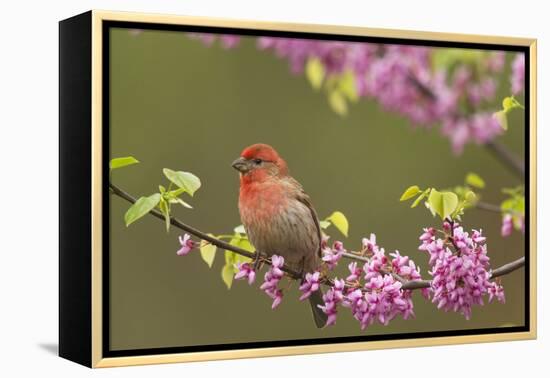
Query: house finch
point(278, 216)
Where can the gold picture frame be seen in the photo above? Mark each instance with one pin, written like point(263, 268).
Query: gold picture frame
point(85, 33)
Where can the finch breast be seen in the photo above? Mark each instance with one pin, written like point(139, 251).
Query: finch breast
point(277, 223)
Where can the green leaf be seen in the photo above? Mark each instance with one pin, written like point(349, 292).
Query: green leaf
point(183, 180)
point(443, 203)
point(510, 103)
point(517, 191)
point(420, 198)
point(470, 197)
point(183, 203)
point(227, 275)
point(338, 103)
point(474, 180)
point(177, 192)
point(347, 86)
point(208, 252)
point(315, 72)
point(502, 119)
point(240, 229)
point(232, 259)
point(324, 224)
point(242, 242)
point(339, 220)
point(165, 210)
point(409, 193)
point(122, 162)
point(142, 206)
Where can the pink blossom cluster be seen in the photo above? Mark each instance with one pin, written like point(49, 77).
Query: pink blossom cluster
point(371, 291)
point(380, 298)
point(272, 278)
point(460, 268)
point(332, 298)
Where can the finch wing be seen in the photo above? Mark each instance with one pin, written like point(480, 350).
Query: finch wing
point(302, 197)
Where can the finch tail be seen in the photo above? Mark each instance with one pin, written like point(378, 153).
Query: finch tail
point(319, 316)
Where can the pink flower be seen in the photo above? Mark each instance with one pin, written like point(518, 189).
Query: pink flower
point(377, 262)
point(277, 263)
point(229, 41)
point(245, 271)
point(507, 225)
point(331, 256)
point(310, 285)
point(428, 235)
point(277, 296)
point(477, 237)
point(496, 291)
point(355, 272)
point(186, 245)
point(370, 243)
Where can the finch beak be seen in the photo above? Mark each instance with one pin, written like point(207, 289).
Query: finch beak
point(241, 165)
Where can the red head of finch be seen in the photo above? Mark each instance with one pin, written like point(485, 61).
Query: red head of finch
point(277, 214)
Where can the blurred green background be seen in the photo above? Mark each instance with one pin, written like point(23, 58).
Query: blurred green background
point(178, 104)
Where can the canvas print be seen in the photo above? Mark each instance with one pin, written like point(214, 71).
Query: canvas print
point(270, 189)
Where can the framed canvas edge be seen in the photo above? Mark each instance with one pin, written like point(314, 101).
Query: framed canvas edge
point(99, 16)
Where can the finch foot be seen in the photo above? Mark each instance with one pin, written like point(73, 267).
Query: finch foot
point(257, 261)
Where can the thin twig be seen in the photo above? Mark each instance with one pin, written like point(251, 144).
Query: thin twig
point(507, 268)
point(488, 206)
point(511, 161)
point(496, 209)
point(406, 284)
point(501, 271)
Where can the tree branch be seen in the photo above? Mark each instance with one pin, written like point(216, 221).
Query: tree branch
point(488, 207)
point(511, 161)
point(501, 271)
point(495, 208)
point(407, 285)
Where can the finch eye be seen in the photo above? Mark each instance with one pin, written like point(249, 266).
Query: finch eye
point(257, 161)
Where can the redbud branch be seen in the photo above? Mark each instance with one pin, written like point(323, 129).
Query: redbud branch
point(495, 208)
point(407, 285)
point(501, 271)
point(510, 160)
point(488, 206)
